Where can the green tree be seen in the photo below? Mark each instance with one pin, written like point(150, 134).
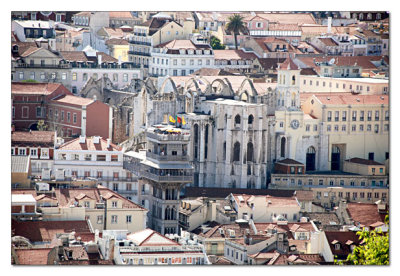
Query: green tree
point(41, 125)
point(216, 43)
point(30, 80)
point(373, 251)
point(235, 26)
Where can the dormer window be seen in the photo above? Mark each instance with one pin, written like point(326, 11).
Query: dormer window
point(114, 204)
point(337, 246)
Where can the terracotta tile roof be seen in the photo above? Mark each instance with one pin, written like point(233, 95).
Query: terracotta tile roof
point(41, 137)
point(349, 99)
point(289, 18)
point(114, 32)
point(270, 200)
point(105, 57)
point(364, 161)
point(223, 261)
point(45, 231)
point(262, 229)
point(117, 41)
point(288, 64)
point(211, 72)
point(73, 100)
point(149, 237)
point(37, 256)
point(89, 145)
point(323, 218)
point(284, 27)
point(120, 14)
point(328, 41)
point(304, 195)
point(34, 88)
point(364, 213)
point(269, 63)
point(178, 44)
point(289, 162)
point(363, 61)
point(29, 51)
point(297, 259)
point(308, 72)
point(341, 237)
point(74, 56)
point(233, 54)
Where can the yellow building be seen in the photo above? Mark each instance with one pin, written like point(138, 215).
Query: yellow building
point(118, 48)
point(352, 126)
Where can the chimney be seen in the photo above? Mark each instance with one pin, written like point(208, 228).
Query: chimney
point(108, 142)
point(99, 60)
point(329, 24)
point(82, 139)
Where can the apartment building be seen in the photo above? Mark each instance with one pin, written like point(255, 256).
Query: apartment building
point(148, 247)
point(95, 158)
point(104, 208)
point(181, 57)
point(31, 30)
point(39, 145)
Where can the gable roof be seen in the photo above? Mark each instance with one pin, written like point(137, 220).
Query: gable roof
point(350, 99)
point(149, 237)
point(288, 64)
point(364, 213)
point(363, 161)
point(120, 14)
point(341, 237)
point(89, 145)
point(73, 100)
point(35, 256)
point(233, 54)
point(34, 88)
point(41, 137)
point(45, 231)
point(20, 164)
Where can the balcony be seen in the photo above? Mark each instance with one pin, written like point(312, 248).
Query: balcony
point(127, 192)
point(139, 42)
point(140, 34)
point(43, 66)
point(168, 178)
point(167, 157)
point(139, 53)
point(168, 137)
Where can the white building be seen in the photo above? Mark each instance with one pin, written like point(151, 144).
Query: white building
point(148, 247)
point(181, 57)
point(95, 158)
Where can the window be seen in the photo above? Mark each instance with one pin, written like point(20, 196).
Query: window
point(361, 115)
point(343, 127)
point(341, 182)
point(183, 61)
point(87, 204)
point(369, 115)
point(74, 118)
point(361, 127)
point(21, 151)
point(129, 219)
point(21, 75)
point(344, 116)
point(114, 219)
point(74, 76)
point(62, 115)
point(68, 117)
point(328, 128)
point(336, 116)
point(352, 183)
point(307, 127)
point(387, 115)
point(42, 76)
point(64, 76)
point(99, 174)
point(321, 182)
point(114, 204)
point(32, 76)
point(369, 128)
point(310, 182)
point(100, 219)
point(336, 128)
point(115, 187)
point(329, 116)
point(377, 115)
point(101, 157)
point(85, 76)
point(376, 129)
point(75, 157)
point(315, 127)
point(129, 186)
point(331, 183)
point(299, 182)
point(125, 77)
point(353, 128)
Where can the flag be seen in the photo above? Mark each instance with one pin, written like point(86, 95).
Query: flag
point(172, 120)
point(183, 121)
point(179, 120)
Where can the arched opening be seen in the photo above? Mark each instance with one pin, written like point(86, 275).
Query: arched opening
point(335, 159)
point(196, 141)
point(310, 159)
point(206, 142)
point(224, 151)
point(293, 80)
point(293, 99)
point(250, 120)
point(237, 119)
point(283, 146)
point(236, 152)
point(250, 151)
point(34, 127)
